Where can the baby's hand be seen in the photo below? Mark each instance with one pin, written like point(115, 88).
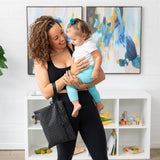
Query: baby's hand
point(95, 74)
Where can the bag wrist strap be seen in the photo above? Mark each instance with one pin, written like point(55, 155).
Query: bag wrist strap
point(55, 90)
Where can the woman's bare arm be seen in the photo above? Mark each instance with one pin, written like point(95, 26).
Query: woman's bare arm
point(43, 82)
point(73, 81)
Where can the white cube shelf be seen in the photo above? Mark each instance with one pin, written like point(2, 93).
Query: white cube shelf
point(116, 102)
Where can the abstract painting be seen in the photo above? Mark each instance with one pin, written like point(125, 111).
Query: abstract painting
point(63, 14)
point(117, 34)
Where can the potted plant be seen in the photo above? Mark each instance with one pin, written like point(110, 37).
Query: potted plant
point(2, 60)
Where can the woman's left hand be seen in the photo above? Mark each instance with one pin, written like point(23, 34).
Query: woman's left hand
point(72, 80)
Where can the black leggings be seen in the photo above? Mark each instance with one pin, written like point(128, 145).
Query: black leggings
point(89, 124)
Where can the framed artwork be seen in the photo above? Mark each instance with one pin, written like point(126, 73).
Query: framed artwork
point(116, 31)
point(62, 13)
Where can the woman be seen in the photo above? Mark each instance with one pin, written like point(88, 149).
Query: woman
point(53, 63)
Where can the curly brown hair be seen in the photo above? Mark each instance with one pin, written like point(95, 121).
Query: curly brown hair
point(39, 47)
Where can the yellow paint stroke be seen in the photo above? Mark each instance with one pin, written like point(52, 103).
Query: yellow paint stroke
point(102, 44)
point(136, 39)
point(96, 12)
point(103, 47)
point(117, 61)
point(109, 45)
point(112, 37)
point(108, 58)
point(113, 18)
point(99, 27)
point(62, 25)
point(91, 20)
point(123, 18)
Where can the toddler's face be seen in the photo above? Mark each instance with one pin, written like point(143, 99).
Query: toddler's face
point(76, 39)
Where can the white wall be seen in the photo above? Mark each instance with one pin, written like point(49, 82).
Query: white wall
point(15, 83)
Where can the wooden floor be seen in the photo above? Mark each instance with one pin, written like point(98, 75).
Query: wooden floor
point(19, 155)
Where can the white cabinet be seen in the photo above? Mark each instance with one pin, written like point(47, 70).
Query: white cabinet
point(116, 102)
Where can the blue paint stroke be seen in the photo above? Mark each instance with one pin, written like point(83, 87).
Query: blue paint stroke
point(131, 54)
point(59, 19)
point(121, 28)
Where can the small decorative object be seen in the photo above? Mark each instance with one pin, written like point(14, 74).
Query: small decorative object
point(128, 123)
point(134, 123)
point(140, 123)
point(43, 150)
point(2, 60)
point(35, 118)
point(131, 119)
point(105, 118)
point(124, 119)
point(132, 150)
point(137, 119)
point(79, 149)
point(124, 115)
point(123, 123)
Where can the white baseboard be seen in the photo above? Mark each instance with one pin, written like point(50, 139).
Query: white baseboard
point(21, 146)
point(12, 146)
point(155, 144)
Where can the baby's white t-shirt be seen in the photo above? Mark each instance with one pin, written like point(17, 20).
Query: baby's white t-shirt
point(85, 50)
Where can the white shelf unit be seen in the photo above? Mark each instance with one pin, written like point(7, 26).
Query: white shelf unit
point(116, 102)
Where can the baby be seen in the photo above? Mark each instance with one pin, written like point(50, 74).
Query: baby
point(80, 35)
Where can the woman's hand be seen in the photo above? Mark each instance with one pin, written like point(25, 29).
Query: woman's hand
point(71, 80)
point(79, 66)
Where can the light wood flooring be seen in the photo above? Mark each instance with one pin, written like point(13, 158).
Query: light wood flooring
point(19, 155)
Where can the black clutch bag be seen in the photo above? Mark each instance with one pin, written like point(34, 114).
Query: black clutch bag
point(55, 122)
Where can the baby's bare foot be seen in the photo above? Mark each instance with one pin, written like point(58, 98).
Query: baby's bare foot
point(76, 110)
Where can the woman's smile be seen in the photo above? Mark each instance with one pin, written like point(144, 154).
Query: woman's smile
point(63, 42)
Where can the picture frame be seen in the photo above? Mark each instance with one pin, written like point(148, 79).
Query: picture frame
point(62, 13)
point(116, 31)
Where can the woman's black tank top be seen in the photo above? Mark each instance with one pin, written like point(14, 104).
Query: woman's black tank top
point(56, 73)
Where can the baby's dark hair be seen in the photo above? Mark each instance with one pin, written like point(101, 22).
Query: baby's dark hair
point(81, 27)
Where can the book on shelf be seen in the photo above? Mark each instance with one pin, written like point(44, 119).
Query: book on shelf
point(111, 145)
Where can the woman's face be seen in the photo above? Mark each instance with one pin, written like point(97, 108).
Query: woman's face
point(57, 37)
